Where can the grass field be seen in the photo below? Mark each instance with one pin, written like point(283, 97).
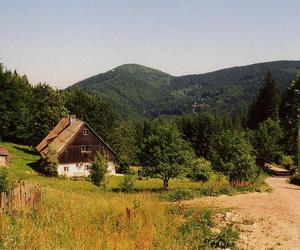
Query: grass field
point(79, 215)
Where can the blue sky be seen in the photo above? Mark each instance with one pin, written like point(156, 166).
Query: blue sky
point(63, 41)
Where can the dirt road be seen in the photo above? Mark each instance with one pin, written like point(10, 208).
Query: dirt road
point(266, 220)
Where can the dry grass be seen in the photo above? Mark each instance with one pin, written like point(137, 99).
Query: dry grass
point(71, 221)
point(79, 215)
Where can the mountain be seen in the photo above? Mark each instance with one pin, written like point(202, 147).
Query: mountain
point(130, 88)
point(139, 91)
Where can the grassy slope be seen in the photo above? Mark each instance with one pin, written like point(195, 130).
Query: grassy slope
point(77, 214)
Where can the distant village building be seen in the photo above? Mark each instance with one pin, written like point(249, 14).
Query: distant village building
point(4, 157)
point(74, 144)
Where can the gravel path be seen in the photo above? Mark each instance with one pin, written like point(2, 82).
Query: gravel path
point(266, 220)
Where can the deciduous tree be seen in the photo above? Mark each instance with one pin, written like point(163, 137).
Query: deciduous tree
point(165, 154)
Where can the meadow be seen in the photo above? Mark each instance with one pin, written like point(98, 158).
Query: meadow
point(80, 215)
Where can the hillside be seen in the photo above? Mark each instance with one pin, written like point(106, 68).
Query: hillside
point(138, 91)
point(130, 88)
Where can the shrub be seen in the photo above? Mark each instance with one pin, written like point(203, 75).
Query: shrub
point(200, 170)
point(49, 164)
point(199, 235)
point(127, 184)
point(287, 162)
point(4, 183)
point(124, 168)
point(98, 171)
point(179, 195)
point(225, 239)
point(295, 179)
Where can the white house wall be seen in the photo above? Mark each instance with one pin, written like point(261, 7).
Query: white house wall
point(78, 169)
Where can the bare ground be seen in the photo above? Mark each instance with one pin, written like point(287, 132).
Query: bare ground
point(266, 220)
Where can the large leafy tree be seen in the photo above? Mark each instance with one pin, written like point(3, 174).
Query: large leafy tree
point(266, 141)
point(47, 108)
point(266, 105)
point(232, 156)
point(92, 109)
point(165, 153)
point(290, 115)
point(123, 141)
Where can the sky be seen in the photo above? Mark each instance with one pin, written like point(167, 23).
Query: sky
point(64, 41)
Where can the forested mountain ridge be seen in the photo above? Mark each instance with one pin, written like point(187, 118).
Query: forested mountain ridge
point(139, 91)
point(131, 88)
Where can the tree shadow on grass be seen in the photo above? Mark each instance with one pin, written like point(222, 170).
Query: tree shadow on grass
point(26, 150)
point(139, 190)
point(36, 166)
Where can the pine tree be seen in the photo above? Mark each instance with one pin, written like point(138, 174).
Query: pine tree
point(290, 114)
point(266, 105)
point(15, 95)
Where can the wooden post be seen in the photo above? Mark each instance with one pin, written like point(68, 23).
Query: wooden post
point(298, 169)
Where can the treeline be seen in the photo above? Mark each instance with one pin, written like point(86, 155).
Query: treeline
point(168, 146)
point(207, 142)
point(28, 113)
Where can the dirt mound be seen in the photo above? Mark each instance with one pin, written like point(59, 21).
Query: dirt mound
point(266, 220)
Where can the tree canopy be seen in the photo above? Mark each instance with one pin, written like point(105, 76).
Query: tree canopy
point(165, 153)
point(266, 104)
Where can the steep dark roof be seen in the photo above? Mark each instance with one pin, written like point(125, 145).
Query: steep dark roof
point(59, 137)
point(4, 152)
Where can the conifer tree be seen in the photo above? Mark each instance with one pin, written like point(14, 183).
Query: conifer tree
point(15, 95)
point(290, 114)
point(266, 105)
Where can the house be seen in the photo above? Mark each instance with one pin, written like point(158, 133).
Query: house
point(4, 157)
point(74, 145)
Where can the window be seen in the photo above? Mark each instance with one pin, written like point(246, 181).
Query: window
point(85, 132)
point(66, 169)
point(86, 167)
point(86, 148)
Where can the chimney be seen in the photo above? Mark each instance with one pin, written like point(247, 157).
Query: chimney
point(72, 118)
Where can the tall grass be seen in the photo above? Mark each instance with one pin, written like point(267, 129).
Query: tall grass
point(80, 215)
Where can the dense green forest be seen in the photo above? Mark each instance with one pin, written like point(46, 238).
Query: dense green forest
point(195, 144)
point(29, 112)
point(136, 91)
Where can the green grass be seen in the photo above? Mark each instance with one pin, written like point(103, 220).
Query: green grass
point(80, 215)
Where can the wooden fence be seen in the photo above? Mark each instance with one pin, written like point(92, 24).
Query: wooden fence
point(23, 196)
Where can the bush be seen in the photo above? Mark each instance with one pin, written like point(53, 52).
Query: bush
point(98, 171)
point(4, 183)
point(287, 162)
point(124, 168)
point(200, 170)
point(49, 164)
point(197, 232)
point(127, 184)
point(179, 195)
point(226, 238)
point(295, 179)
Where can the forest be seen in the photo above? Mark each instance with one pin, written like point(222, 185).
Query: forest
point(193, 145)
point(136, 91)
